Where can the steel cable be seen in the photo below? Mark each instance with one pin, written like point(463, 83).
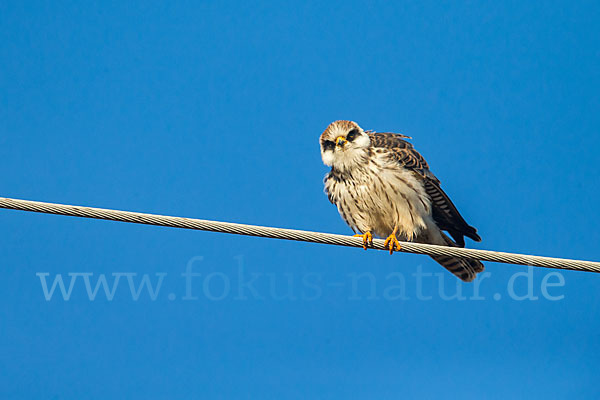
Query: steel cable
point(292, 234)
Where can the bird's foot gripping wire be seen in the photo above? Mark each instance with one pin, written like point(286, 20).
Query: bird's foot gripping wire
point(392, 243)
point(367, 239)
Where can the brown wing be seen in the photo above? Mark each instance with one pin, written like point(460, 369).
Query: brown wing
point(444, 212)
point(403, 152)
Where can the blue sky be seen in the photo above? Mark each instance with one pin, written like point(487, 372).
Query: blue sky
point(213, 110)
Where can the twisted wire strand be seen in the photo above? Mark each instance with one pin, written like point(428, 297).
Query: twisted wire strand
point(292, 234)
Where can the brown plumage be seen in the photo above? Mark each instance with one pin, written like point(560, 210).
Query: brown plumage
point(445, 214)
point(382, 185)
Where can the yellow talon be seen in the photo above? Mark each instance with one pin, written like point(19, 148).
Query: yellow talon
point(367, 239)
point(392, 243)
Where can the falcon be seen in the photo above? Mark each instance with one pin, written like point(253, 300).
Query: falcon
point(383, 187)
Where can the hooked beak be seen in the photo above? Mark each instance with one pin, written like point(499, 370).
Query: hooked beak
point(340, 141)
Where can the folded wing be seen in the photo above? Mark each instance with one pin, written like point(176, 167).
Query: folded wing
point(444, 212)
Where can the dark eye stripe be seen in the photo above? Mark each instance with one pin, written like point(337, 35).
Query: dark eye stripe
point(328, 145)
point(352, 135)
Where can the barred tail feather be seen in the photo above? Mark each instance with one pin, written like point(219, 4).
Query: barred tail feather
point(465, 269)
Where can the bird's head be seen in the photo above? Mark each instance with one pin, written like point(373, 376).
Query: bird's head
point(344, 145)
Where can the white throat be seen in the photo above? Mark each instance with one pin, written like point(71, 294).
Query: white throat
point(349, 156)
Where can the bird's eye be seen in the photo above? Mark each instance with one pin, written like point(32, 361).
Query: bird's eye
point(352, 135)
point(328, 145)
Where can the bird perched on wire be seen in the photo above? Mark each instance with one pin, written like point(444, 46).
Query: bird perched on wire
point(383, 187)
